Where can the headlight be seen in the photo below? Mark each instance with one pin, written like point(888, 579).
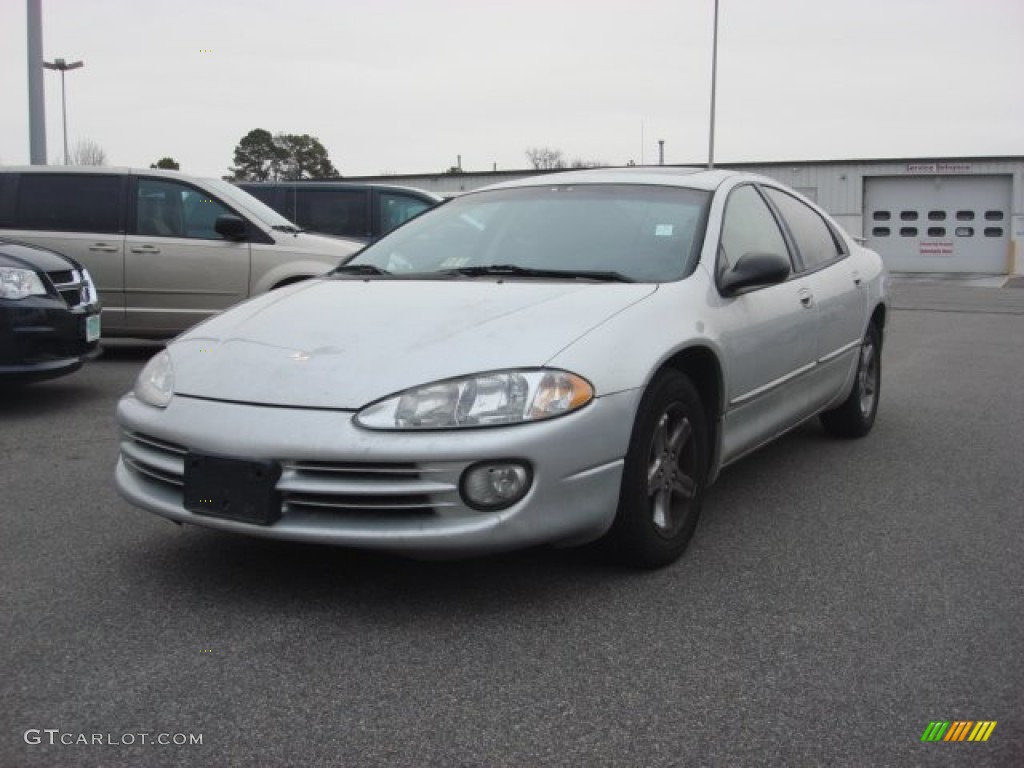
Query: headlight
point(20, 283)
point(484, 400)
point(155, 385)
point(89, 295)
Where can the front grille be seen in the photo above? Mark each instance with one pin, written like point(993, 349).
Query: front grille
point(355, 487)
point(339, 489)
point(62, 276)
point(71, 285)
point(156, 459)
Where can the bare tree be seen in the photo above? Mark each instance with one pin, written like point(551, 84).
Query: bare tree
point(87, 152)
point(545, 158)
point(579, 162)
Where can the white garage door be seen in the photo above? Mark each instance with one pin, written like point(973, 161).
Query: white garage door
point(939, 223)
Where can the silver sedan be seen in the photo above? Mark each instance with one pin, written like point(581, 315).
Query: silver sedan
point(564, 359)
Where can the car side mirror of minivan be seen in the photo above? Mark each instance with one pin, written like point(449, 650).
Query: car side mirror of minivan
point(231, 227)
point(754, 270)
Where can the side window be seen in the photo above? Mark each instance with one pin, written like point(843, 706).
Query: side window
point(334, 211)
point(70, 202)
point(748, 227)
point(396, 208)
point(171, 209)
point(814, 238)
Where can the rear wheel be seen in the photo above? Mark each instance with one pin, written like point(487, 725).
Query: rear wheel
point(663, 478)
point(856, 416)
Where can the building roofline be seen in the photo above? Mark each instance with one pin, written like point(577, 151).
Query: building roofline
point(727, 165)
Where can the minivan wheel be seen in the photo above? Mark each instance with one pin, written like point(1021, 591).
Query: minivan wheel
point(663, 478)
point(856, 416)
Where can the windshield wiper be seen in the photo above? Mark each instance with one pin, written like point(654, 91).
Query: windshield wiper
point(511, 270)
point(359, 269)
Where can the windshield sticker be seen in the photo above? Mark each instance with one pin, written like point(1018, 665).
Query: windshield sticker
point(663, 230)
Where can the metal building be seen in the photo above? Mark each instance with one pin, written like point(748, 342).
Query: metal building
point(952, 215)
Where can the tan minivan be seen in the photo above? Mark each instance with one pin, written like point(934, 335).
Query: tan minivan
point(165, 250)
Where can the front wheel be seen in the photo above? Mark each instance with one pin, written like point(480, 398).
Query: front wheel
point(663, 477)
point(856, 416)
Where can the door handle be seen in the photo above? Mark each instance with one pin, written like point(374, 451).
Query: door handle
point(856, 279)
point(104, 247)
point(806, 298)
point(144, 249)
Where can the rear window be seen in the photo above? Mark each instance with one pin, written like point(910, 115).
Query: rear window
point(69, 202)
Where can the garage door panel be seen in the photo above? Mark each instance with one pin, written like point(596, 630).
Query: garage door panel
point(939, 223)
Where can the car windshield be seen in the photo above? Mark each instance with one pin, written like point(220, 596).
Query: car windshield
point(613, 231)
point(239, 197)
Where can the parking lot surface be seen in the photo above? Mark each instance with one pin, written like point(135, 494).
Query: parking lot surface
point(837, 598)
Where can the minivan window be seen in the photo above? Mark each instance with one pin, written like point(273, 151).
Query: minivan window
point(235, 196)
point(171, 209)
point(69, 202)
point(396, 209)
point(335, 211)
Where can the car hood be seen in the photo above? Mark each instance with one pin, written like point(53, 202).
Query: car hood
point(338, 249)
point(343, 343)
point(22, 255)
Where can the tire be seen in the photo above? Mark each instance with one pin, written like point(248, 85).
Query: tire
point(856, 416)
point(664, 476)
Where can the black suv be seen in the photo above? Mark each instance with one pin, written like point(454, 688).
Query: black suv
point(347, 209)
point(49, 313)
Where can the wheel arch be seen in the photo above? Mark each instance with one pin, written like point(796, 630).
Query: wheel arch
point(702, 366)
point(291, 281)
point(878, 317)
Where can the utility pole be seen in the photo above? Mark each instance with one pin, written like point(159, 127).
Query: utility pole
point(36, 102)
point(714, 78)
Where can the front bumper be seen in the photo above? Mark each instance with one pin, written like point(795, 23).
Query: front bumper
point(393, 491)
point(40, 338)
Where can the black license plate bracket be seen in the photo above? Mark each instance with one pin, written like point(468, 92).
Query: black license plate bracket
point(232, 489)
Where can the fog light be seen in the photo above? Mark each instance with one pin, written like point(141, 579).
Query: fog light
point(495, 485)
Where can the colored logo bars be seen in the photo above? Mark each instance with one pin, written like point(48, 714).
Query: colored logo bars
point(958, 730)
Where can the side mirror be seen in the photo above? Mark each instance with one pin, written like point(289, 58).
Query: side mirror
point(754, 270)
point(231, 227)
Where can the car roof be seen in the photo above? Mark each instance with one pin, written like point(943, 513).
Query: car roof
point(93, 169)
point(692, 178)
point(338, 184)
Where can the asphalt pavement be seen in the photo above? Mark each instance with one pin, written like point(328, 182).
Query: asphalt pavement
point(837, 598)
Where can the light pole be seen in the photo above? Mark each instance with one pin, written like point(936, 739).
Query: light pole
point(714, 78)
point(62, 66)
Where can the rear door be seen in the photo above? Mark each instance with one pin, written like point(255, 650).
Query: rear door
point(178, 269)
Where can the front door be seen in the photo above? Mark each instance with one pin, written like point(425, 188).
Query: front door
point(768, 334)
point(178, 270)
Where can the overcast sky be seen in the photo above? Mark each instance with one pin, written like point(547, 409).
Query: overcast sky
point(406, 86)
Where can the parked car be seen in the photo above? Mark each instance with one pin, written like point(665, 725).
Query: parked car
point(359, 211)
point(551, 360)
point(166, 250)
point(49, 314)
